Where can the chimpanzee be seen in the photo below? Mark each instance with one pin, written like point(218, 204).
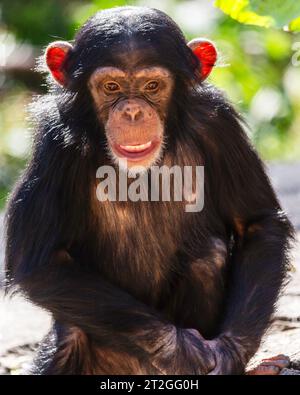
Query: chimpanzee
point(144, 287)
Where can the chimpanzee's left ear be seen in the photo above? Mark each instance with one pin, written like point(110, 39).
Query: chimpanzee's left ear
point(55, 55)
point(206, 52)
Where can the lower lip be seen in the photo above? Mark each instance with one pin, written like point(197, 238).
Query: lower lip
point(134, 155)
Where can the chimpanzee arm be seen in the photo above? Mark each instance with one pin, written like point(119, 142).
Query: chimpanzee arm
point(262, 234)
point(257, 275)
point(117, 322)
point(46, 212)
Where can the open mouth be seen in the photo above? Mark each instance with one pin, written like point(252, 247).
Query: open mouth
point(135, 151)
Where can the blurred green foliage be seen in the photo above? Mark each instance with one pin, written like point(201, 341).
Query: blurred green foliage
point(40, 21)
point(255, 67)
point(267, 13)
point(35, 20)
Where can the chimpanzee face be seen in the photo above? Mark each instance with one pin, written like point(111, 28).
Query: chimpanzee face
point(132, 105)
point(130, 67)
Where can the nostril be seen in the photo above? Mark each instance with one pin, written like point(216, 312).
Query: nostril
point(127, 115)
point(133, 113)
point(138, 115)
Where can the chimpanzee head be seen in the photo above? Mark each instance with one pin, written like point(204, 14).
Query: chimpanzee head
point(131, 59)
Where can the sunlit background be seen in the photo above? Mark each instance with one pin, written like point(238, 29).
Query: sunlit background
point(255, 70)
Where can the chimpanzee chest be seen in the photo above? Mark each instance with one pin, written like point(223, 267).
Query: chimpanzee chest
point(141, 250)
point(137, 248)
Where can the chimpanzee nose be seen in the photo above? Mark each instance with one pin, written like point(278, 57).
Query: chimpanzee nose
point(132, 112)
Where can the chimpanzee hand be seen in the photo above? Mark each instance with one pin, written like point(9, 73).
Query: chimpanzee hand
point(230, 357)
point(198, 353)
point(185, 352)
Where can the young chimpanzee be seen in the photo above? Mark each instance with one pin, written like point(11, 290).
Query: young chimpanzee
point(144, 286)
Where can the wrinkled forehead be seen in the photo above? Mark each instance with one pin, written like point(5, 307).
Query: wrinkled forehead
point(135, 54)
point(136, 73)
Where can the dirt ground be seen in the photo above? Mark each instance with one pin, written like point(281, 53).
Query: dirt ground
point(23, 325)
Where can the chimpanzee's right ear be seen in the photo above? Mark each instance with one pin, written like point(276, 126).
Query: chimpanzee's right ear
point(55, 56)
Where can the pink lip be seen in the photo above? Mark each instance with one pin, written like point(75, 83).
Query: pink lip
point(135, 152)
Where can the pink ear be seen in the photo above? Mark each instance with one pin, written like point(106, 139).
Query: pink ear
point(206, 52)
point(55, 57)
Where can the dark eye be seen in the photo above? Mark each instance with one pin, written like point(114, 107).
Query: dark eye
point(112, 86)
point(151, 86)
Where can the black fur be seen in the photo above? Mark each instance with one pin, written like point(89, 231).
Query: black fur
point(124, 299)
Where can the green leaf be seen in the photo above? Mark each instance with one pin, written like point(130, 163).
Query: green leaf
point(295, 25)
point(267, 13)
